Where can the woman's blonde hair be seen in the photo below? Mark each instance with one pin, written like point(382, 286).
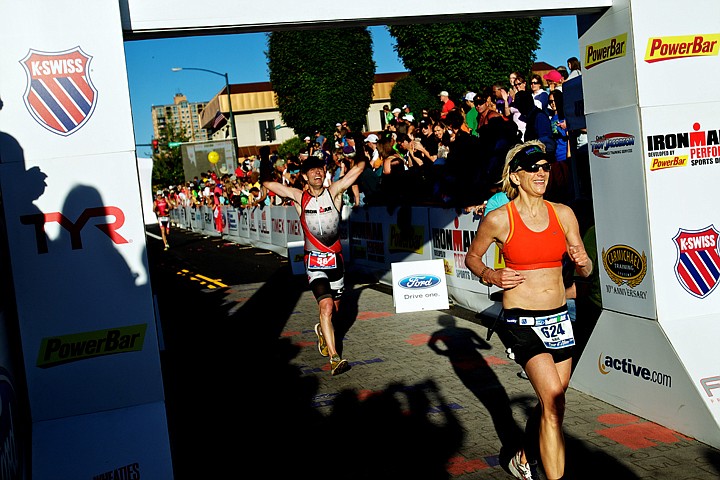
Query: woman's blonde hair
point(510, 188)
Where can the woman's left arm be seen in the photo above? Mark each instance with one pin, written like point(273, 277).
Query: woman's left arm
point(575, 246)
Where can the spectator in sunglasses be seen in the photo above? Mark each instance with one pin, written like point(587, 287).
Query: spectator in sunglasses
point(539, 94)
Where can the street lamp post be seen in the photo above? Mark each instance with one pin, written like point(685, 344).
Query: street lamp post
point(232, 115)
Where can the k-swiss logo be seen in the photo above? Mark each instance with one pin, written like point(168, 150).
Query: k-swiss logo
point(60, 95)
point(38, 220)
point(698, 264)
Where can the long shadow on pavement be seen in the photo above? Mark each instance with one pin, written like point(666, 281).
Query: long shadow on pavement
point(238, 408)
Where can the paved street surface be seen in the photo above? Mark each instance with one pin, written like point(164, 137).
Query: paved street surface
point(427, 397)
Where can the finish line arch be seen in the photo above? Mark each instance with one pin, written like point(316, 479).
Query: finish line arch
point(66, 134)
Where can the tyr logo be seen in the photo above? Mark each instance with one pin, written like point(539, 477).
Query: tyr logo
point(38, 220)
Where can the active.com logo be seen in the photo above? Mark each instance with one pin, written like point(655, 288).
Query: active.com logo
point(608, 364)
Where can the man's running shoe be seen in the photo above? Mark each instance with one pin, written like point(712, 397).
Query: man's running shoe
point(523, 471)
point(338, 365)
point(321, 344)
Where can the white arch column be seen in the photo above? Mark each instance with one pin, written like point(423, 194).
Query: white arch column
point(71, 202)
point(654, 133)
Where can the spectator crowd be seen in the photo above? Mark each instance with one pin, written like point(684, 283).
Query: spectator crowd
point(450, 156)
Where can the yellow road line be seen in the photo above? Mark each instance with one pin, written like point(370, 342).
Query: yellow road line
point(210, 282)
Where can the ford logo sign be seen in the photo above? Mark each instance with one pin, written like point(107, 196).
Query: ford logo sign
point(419, 281)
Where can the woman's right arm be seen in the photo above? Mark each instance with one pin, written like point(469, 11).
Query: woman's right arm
point(486, 235)
point(492, 228)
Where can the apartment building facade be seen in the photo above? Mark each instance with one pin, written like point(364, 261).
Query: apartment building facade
point(184, 115)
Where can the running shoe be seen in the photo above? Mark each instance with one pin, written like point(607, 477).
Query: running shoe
point(523, 471)
point(338, 365)
point(321, 344)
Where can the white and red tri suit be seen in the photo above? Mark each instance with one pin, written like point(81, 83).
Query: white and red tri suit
point(320, 220)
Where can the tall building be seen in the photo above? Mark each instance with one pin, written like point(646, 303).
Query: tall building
point(183, 114)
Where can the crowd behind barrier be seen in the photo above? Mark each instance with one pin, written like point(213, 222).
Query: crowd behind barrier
point(423, 191)
point(450, 156)
point(372, 238)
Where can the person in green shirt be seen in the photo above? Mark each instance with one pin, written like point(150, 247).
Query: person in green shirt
point(471, 117)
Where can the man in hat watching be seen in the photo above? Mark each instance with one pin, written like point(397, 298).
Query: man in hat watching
point(319, 209)
point(447, 103)
point(407, 114)
point(319, 139)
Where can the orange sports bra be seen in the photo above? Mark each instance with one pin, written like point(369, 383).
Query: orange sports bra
point(525, 249)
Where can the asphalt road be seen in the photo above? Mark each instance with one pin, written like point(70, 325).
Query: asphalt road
point(428, 397)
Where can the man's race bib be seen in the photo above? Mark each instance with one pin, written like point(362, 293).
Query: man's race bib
point(555, 331)
point(321, 260)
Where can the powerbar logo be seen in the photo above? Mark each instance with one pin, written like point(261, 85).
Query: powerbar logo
point(410, 240)
point(696, 148)
point(683, 46)
point(669, 162)
point(126, 472)
point(612, 144)
point(608, 364)
point(79, 346)
point(605, 50)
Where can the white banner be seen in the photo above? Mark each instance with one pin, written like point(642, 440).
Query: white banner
point(419, 286)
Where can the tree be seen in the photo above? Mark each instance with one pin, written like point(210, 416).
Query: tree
point(167, 163)
point(322, 77)
point(291, 146)
point(408, 91)
point(464, 56)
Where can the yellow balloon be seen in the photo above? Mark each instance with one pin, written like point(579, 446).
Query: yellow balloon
point(213, 157)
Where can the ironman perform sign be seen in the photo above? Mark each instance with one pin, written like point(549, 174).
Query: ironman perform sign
point(59, 93)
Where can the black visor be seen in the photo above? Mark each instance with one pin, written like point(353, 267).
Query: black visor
point(312, 162)
point(526, 157)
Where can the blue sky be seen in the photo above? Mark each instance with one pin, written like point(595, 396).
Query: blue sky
point(242, 56)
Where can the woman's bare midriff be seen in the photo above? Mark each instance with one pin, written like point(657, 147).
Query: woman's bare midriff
point(542, 290)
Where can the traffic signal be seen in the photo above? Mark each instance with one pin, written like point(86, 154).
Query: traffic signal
point(156, 146)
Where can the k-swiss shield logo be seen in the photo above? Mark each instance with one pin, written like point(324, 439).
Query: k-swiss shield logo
point(698, 264)
point(60, 95)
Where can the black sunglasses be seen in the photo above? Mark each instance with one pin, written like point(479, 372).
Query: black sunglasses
point(535, 167)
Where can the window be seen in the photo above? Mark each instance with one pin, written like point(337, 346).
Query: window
point(267, 130)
